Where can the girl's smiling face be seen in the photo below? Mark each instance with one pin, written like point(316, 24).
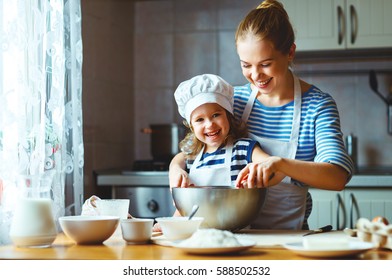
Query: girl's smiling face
point(210, 125)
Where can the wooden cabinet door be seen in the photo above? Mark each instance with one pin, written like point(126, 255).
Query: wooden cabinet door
point(368, 203)
point(328, 209)
point(343, 209)
point(318, 24)
point(369, 23)
point(340, 24)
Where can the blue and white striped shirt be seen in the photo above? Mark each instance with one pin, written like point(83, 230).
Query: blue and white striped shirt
point(241, 156)
point(320, 136)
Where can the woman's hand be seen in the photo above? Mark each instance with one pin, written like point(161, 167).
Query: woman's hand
point(260, 175)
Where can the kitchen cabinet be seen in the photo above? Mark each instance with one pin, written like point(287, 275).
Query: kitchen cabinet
point(368, 203)
point(340, 24)
point(342, 209)
point(327, 206)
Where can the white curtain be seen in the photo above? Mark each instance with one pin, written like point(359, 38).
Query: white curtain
point(40, 103)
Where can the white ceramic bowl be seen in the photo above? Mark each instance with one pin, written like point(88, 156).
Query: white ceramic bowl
point(174, 228)
point(89, 229)
point(136, 231)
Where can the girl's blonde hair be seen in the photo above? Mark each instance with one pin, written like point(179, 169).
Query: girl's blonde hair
point(268, 21)
point(191, 146)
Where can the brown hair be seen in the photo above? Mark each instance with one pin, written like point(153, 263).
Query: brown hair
point(191, 146)
point(268, 21)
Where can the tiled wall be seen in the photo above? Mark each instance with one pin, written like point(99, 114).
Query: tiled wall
point(108, 112)
point(174, 41)
point(137, 52)
point(362, 112)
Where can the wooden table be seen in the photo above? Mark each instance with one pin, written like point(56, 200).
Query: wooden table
point(116, 249)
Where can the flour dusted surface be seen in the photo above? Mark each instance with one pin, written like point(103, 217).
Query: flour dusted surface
point(211, 238)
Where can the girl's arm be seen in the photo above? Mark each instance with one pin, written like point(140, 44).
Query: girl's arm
point(178, 177)
point(255, 175)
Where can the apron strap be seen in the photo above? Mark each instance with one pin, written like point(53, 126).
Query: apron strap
point(228, 155)
point(215, 174)
point(249, 105)
point(297, 109)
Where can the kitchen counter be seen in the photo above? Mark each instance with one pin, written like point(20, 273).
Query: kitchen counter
point(364, 178)
point(372, 177)
point(115, 248)
point(370, 180)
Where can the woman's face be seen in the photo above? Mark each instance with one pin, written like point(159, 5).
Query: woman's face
point(264, 66)
point(210, 125)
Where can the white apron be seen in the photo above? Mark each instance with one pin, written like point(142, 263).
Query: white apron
point(215, 175)
point(285, 203)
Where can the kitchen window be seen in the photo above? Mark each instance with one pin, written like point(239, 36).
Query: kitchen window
point(40, 102)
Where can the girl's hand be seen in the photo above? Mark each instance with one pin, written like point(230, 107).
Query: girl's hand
point(156, 228)
point(178, 178)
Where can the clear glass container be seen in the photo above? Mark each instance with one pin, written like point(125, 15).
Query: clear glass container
point(33, 221)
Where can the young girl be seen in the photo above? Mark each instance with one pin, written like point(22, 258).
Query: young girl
point(215, 150)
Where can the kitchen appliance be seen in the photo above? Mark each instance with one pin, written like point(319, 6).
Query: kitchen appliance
point(165, 140)
point(352, 149)
point(388, 101)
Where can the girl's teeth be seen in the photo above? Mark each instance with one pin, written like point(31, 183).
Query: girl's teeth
point(212, 134)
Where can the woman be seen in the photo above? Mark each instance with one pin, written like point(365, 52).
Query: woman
point(294, 121)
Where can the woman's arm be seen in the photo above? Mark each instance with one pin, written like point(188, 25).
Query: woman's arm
point(316, 174)
point(178, 177)
point(320, 175)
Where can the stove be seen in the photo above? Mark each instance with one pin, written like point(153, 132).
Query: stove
point(150, 165)
point(146, 186)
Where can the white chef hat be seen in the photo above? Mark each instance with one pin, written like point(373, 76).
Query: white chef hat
point(202, 89)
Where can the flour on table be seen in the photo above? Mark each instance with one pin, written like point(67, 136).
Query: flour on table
point(211, 238)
